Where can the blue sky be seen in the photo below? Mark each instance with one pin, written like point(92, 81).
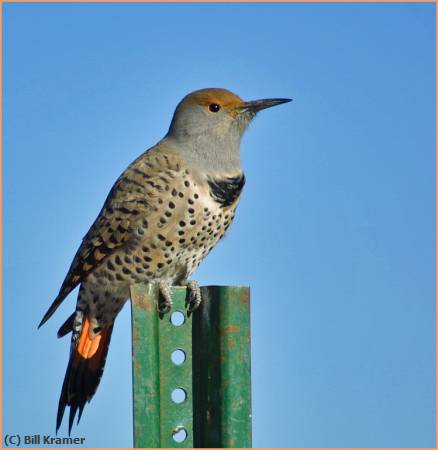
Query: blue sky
point(334, 233)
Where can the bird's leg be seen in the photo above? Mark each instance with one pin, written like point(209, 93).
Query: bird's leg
point(165, 302)
point(194, 295)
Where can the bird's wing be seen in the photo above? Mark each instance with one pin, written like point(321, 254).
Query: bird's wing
point(132, 197)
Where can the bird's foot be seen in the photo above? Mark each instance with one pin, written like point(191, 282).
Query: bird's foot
point(165, 302)
point(194, 297)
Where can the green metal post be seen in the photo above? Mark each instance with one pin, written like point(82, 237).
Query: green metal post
point(215, 374)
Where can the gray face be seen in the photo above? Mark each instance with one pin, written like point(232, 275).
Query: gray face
point(190, 122)
point(209, 140)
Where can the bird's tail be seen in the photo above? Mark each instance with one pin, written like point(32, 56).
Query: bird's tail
point(84, 371)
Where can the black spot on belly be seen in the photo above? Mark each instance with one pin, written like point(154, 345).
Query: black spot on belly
point(226, 191)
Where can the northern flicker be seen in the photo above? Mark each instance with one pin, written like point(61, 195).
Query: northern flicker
point(161, 218)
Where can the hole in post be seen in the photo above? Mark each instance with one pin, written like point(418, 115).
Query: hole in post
point(177, 318)
point(179, 434)
point(178, 357)
point(178, 395)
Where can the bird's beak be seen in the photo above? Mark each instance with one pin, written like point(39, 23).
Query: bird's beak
point(258, 105)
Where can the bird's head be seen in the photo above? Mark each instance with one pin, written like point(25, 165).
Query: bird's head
point(216, 112)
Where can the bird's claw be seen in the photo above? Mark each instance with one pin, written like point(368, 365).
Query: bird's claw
point(165, 302)
point(194, 297)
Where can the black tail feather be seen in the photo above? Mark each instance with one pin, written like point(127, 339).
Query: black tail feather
point(73, 408)
point(67, 326)
point(81, 409)
point(61, 407)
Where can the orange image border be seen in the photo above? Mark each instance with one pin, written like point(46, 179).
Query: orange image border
point(228, 1)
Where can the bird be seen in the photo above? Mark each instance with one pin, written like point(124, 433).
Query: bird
point(162, 216)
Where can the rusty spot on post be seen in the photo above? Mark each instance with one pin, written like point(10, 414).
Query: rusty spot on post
point(231, 329)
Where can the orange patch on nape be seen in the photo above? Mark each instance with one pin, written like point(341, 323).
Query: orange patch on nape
point(87, 347)
point(205, 97)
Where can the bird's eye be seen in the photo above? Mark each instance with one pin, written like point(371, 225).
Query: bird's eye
point(214, 107)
